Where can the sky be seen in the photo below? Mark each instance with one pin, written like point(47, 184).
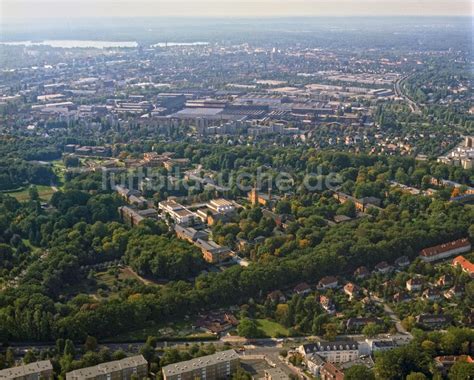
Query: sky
point(24, 10)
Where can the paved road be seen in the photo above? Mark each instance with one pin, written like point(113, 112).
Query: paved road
point(415, 108)
point(393, 316)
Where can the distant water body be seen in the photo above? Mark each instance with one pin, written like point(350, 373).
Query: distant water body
point(96, 44)
point(76, 44)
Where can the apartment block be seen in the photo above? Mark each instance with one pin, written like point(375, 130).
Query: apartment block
point(33, 371)
point(122, 369)
point(334, 352)
point(220, 365)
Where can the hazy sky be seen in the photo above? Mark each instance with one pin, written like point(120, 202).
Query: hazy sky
point(34, 9)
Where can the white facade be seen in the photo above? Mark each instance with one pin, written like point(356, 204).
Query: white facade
point(445, 255)
point(334, 352)
point(221, 206)
point(177, 212)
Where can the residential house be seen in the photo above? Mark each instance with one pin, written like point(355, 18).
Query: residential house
point(217, 322)
point(401, 297)
point(445, 250)
point(302, 288)
point(454, 292)
point(365, 360)
point(361, 272)
point(276, 296)
point(431, 295)
point(327, 304)
point(402, 262)
point(444, 363)
point(314, 362)
point(381, 345)
point(383, 267)
point(433, 320)
point(444, 280)
point(360, 322)
point(329, 371)
point(465, 264)
point(243, 243)
point(351, 289)
point(328, 282)
point(414, 284)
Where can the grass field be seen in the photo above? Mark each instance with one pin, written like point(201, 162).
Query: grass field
point(107, 285)
point(45, 193)
point(176, 330)
point(271, 329)
point(108, 278)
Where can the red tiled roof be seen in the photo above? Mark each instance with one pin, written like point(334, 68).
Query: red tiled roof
point(350, 287)
point(465, 264)
point(446, 247)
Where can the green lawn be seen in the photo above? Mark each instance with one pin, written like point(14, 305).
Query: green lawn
point(107, 285)
point(176, 330)
point(272, 329)
point(45, 193)
point(59, 169)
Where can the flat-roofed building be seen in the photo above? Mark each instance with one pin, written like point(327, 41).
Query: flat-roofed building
point(221, 205)
point(213, 252)
point(177, 212)
point(220, 365)
point(190, 234)
point(133, 216)
point(183, 216)
point(170, 205)
point(275, 374)
point(122, 369)
point(33, 371)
